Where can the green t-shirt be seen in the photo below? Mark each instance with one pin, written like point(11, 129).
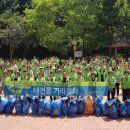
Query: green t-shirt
point(126, 82)
point(72, 77)
point(86, 76)
point(58, 77)
point(117, 76)
point(111, 82)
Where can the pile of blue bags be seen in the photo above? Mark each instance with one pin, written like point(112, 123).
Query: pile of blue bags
point(63, 107)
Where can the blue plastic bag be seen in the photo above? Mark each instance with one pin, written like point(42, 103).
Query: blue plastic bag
point(48, 107)
point(105, 110)
point(18, 106)
point(111, 109)
point(41, 107)
point(64, 107)
point(56, 108)
point(113, 112)
point(98, 106)
point(34, 106)
point(81, 106)
point(128, 107)
point(26, 105)
point(122, 109)
point(73, 108)
point(9, 106)
point(3, 102)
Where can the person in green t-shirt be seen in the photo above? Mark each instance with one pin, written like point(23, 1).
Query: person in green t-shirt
point(6, 77)
point(117, 76)
point(58, 76)
point(40, 78)
point(29, 77)
point(51, 78)
point(101, 75)
point(80, 77)
point(86, 75)
point(111, 85)
point(73, 75)
point(93, 77)
point(126, 86)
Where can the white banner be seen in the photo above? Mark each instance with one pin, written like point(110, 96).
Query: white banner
point(78, 54)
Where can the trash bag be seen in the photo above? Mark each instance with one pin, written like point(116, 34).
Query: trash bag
point(56, 108)
point(48, 107)
point(73, 108)
point(18, 106)
point(105, 110)
point(34, 106)
point(9, 106)
point(41, 107)
point(122, 109)
point(81, 106)
point(128, 107)
point(64, 106)
point(89, 106)
point(3, 102)
point(26, 105)
point(98, 106)
point(111, 109)
point(113, 112)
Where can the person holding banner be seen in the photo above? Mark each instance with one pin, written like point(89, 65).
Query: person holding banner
point(40, 78)
point(80, 77)
point(101, 75)
point(86, 74)
point(29, 78)
point(17, 76)
point(51, 78)
point(93, 77)
point(111, 85)
point(73, 75)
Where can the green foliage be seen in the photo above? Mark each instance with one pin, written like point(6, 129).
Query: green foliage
point(54, 23)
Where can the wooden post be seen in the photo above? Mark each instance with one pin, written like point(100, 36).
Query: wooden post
point(110, 49)
point(116, 52)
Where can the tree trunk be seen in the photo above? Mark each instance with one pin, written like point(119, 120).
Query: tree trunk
point(1, 45)
point(26, 49)
point(11, 52)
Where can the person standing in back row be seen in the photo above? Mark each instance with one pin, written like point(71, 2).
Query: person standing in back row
point(117, 76)
point(111, 85)
point(125, 86)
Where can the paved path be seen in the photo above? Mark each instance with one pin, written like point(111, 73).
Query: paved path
point(83, 122)
point(47, 123)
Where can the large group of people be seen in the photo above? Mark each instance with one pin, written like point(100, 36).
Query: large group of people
point(94, 69)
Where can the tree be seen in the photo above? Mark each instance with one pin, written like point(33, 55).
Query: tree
point(57, 22)
point(29, 39)
point(13, 34)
